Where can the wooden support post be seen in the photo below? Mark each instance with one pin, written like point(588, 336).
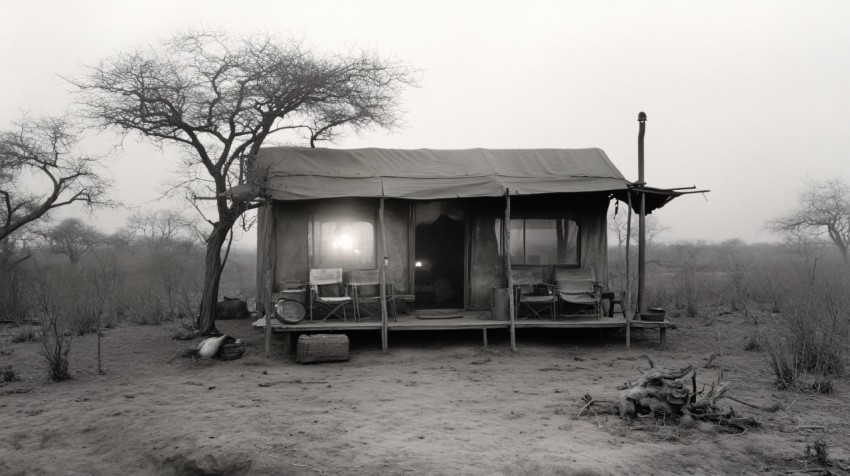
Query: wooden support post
point(383, 280)
point(485, 337)
point(662, 333)
point(642, 255)
point(627, 309)
point(507, 251)
point(269, 311)
point(271, 255)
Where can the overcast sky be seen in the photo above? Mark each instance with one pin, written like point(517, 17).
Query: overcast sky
point(748, 99)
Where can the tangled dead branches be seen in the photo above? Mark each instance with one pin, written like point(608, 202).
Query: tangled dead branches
point(667, 394)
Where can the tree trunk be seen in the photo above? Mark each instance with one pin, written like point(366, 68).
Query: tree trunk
point(212, 277)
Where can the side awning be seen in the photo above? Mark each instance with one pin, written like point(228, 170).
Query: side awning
point(655, 197)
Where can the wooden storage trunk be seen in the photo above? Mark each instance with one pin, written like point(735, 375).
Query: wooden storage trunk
point(322, 348)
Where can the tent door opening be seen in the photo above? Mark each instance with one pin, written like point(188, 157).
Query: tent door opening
point(439, 272)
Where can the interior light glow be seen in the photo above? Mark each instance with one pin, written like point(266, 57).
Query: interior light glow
point(343, 241)
point(418, 264)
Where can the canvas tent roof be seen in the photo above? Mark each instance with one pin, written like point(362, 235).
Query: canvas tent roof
point(296, 173)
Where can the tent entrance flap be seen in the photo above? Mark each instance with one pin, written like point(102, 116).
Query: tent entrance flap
point(439, 255)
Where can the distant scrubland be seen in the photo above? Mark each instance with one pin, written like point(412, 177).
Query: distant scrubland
point(795, 296)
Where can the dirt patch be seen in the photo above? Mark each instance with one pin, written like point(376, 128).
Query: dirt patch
point(437, 404)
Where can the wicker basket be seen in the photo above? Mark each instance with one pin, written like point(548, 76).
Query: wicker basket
point(289, 311)
point(231, 351)
point(322, 348)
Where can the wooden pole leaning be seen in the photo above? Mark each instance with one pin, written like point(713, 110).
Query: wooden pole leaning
point(507, 251)
point(382, 280)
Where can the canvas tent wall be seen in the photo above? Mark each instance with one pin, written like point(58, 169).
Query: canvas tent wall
point(301, 184)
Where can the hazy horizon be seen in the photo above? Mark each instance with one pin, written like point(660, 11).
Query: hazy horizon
point(747, 100)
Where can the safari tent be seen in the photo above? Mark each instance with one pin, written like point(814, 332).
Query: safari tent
point(444, 229)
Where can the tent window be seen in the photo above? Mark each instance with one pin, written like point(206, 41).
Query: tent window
point(542, 241)
point(341, 242)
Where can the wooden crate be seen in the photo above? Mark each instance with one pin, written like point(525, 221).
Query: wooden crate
point(322, 348)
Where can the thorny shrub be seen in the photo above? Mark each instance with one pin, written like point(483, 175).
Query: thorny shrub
point(807, 343)
point(24, 334)
point(8, 374)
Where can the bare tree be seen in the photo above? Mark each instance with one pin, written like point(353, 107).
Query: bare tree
point(165, 238)
point(221, 98)
point(44, 154)
point(823, 210)
point(617, 222)
point(162, 227)
point(72, 238)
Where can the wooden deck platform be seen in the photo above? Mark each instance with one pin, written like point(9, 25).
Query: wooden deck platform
point(406, 322)
point(467, 320)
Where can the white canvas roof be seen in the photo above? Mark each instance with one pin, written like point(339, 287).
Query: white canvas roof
point(296, 173)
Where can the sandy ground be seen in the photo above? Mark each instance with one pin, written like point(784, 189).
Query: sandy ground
point(439, 403)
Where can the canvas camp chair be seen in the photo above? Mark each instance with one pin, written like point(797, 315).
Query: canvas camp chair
point(533, 295)
point(579, 291)
point(365, 289)
point(327, 294)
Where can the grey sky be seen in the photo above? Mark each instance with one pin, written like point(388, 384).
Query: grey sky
point(744, 98)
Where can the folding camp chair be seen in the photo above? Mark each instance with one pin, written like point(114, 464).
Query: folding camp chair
point(533, 295)
point(327, 293)
point(580, 291)
point(366, 291)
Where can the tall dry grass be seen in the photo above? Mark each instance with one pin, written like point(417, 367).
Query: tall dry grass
point(808, 342)
point(796, 300)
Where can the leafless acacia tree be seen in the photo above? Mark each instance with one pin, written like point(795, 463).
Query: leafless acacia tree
point(823, 210)
point(221, 98)
point(72, 238)
point(618, 224)
point(161, 227)
point(41, 169)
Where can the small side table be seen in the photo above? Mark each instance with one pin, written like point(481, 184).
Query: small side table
point(613, 300)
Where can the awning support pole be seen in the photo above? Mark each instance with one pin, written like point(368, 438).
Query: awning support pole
point(507, 242)
point(383, 280)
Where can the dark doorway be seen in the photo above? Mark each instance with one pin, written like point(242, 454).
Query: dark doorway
point(439, 270)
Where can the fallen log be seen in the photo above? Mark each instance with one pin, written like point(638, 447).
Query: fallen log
point(658, 390)
point(663, 393)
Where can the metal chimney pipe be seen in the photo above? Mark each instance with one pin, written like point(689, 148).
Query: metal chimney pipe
point(642, 121)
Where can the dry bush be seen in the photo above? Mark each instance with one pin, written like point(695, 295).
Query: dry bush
point(8, 374)
point(752, 343)
point(686, 278)
point(807, 342)
point(72, 300)
point(24, 334)
point(817, 452)
point(56, 326)
point(15, 301)
point(15, 306)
